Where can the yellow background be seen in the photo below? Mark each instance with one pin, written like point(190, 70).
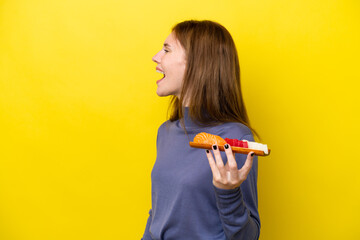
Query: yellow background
point(79, 113)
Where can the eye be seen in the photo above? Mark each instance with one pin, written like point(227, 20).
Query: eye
point(166, 50)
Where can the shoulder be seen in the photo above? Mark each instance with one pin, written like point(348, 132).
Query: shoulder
point(235, 130)
point(161, 132)
point(162, 127)
point(167, 127)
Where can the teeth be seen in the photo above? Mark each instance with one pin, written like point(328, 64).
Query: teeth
point(159, 71)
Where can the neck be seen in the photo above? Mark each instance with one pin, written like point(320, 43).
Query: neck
point(185, 103)
point(187, 120)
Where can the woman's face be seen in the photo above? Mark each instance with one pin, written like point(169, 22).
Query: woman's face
point(171, 61)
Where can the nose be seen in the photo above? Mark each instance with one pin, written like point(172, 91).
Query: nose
point(157, 57)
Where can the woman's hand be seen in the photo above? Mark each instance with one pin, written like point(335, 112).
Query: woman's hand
point(228, 176)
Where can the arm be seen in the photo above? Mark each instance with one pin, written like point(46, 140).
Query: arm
point(147, 235)
point(236, 194)
point(238, 212)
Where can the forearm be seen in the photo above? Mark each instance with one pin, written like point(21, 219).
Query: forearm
point(237, 220)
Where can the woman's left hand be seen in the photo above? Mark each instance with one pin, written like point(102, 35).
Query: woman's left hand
point(228, 176)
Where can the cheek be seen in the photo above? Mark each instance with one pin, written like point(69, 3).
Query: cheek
point(180, 76)
point(181, 67)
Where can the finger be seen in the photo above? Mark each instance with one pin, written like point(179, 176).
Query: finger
point(227, 166)
point(218, 159)
point(212, 164)
point(247, 166)
point(232, 165)
point(227, 163)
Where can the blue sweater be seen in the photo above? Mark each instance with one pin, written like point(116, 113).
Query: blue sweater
point(185, 203)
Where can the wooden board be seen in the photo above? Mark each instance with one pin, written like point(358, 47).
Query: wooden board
point(234, 149)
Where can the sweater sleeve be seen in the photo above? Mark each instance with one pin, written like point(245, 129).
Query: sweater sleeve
point(147, 235)
point(238, 208)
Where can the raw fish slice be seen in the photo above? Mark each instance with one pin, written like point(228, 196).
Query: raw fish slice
point(207, 138)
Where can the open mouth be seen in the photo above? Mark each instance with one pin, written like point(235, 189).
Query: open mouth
point(162, 74)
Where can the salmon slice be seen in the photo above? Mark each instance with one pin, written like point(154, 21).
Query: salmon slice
point(208, 138)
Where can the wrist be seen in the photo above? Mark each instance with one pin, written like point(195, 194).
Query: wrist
point(226, 191)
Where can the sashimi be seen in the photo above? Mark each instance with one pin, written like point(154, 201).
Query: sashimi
point(208, 138)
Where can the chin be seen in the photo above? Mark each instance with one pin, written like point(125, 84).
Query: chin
point(161, 94)
point(162, 91)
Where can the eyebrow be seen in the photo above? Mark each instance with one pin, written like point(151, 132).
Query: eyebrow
point(166, 45)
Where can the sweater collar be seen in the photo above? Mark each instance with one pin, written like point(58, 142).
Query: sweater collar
point(189, 123)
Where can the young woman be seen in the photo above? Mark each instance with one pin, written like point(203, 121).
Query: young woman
point(198, 194)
